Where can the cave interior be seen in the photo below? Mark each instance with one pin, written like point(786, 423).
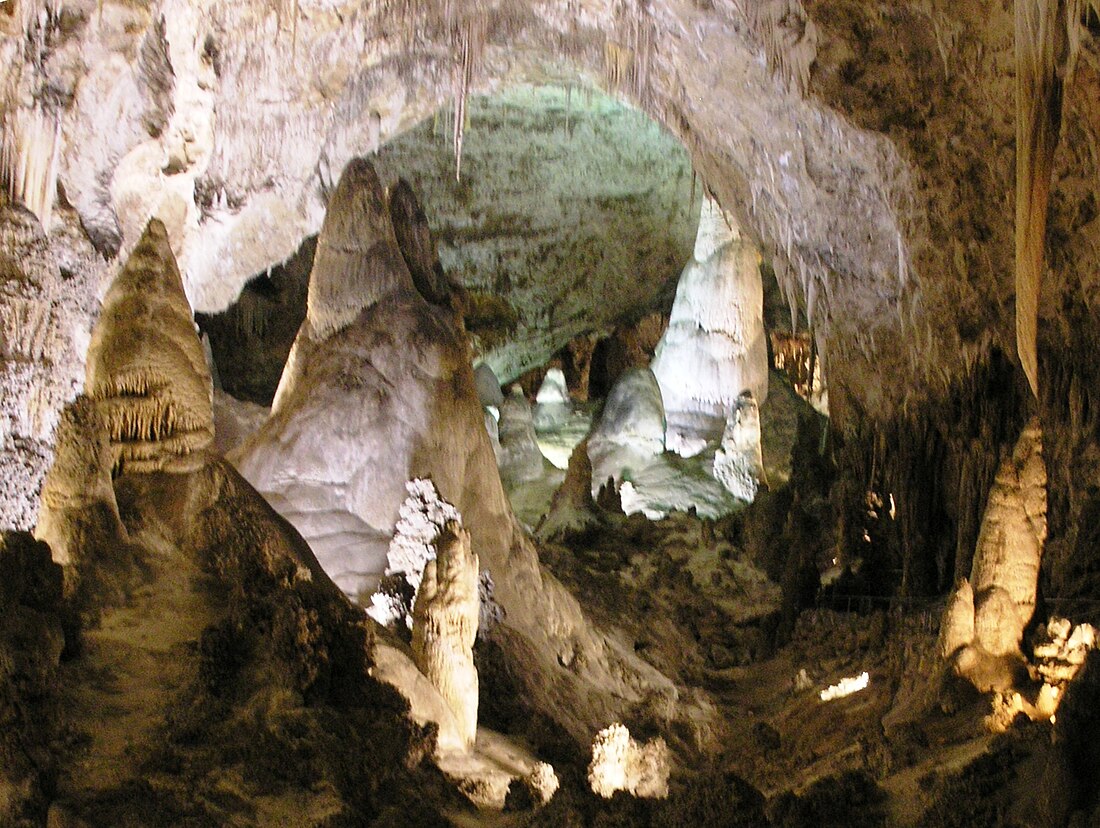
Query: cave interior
point(549, 413)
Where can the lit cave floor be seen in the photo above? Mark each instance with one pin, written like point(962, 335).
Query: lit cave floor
point(905, 751)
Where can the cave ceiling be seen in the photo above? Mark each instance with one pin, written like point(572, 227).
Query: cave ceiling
point(868, 150)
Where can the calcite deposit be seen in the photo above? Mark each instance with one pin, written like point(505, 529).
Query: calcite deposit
point(359, 201)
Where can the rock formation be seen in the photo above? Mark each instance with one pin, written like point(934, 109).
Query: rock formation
point(714, 347)
point(445, 621)
point(985, 618)
point(235, 421)
point(621, 764)
point(572, 509)
point(1005, 572)
point(379, 390)
point(31, 642)
point(44, 318)
point(79, 516)
point(414, 239)
point(552, 405)
point(738, 464)
point(957, 625)
point(146, 368)
point(422, 518)
point(633, 416)
point(627, 447)
point(488, 386)
point(521, 460)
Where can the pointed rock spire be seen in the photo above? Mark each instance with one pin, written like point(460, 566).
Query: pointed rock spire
point(146, 366)
point(358, 260)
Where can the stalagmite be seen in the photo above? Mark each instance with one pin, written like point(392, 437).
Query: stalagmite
point(379, 390)
point(957, 626)
point(358, 261)
point(714, 347)
point(572, 509)
point(552, 407)
point(445, 620)
point(414, 239)
point(633, 417)
point(488, 386)
point(520, 457)
point(986, 615)
point(1005, 572)
point(738, 463)
point(147, 370)
point(619, 763)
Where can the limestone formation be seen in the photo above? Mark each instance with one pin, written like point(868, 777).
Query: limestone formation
point(983, 624)
point(358, 262)
point(521, 459)
point(79, 515)
point(42, 323)
point(552, 406)
point(627, 446)
point(235, 420)
point(738, 464)
point(619, 763)
point(31, 641)
point(633, 414)
point(414, 238)
point(1062, 648)
point(572, 509)
point(445, 621)
point(714, 348)
point(957, 625)
point(146, 368)
point(1010, 545)
point(488, 386)
point(421, 521)
point(390, 397)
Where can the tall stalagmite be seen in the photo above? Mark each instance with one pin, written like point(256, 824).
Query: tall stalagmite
point(380, 391)
point(714, 347)
point(1005, 573)
point(985, 618)
point(445, 618)
point(146, 366)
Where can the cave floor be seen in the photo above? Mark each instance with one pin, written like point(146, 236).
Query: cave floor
point(696, 608)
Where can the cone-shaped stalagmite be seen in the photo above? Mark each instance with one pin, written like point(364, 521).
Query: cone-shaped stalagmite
point(414, 238)
point(146, 367)
point(1010, 546)
point(714, 347)
point(379, 391)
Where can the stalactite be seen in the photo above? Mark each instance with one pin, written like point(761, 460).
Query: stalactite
point(30, 146)
point(1041, 58)
point(789, 37)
